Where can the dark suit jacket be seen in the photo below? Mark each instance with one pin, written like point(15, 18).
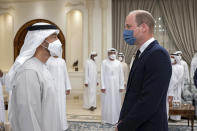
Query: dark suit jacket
point(144, 107)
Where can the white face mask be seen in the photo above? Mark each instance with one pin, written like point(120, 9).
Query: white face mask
point(55, 48)
point(180, 57)
point(95, 58)
point(172, 60)
point(113, 56)
point(120, 58)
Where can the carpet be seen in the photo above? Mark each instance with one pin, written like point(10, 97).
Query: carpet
point(97, 126)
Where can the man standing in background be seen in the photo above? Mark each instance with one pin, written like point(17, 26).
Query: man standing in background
point(176, 83)
point(112, 79)
point(125, 67)
point(58, 69)
point(193, 68)
point(186, 86)
point(91, 83)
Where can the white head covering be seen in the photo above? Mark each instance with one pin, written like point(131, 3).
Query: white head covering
point(178, 52)
point(177, 58)
point(32, 41)
point(120, 54)
point(93, 53)
point(111, 50)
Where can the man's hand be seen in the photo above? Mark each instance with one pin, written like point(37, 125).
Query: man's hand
point(67, 92)
point(1, 73)
point(103, 90)
point(170, 98)
point(86, 85)
point(121, 90)
point(117, 125)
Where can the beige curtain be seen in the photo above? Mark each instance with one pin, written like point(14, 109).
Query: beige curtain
point(180, 17)
point(161, 34)
point(120, 9)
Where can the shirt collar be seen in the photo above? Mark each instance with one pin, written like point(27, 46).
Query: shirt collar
point(146, 44)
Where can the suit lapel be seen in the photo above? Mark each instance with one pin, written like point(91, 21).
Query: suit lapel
point(139, 59)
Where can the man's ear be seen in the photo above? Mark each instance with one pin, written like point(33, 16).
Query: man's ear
point(144, 27)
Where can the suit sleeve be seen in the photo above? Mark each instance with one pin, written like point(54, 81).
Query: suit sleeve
point(157, 73)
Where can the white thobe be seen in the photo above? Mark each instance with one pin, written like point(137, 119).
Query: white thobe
point(175, 86)
point(125, 71)
point(89, 96)
point(2, 108)
point(58, 70)
point(34, 104)
point(186, 73)
point(126, 75)
point(193, 67)
point(112, 79)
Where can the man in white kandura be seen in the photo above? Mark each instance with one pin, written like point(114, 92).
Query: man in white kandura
point(58, 69)
point(125, 67)
point(186, 89)
point(193, 68)
point(175, 86)
point(112, 79)
point(186, 68)
point(91, 82)
point(33, 104)
point(2, 109)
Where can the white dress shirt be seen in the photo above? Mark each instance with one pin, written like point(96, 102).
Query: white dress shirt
point(145, 45)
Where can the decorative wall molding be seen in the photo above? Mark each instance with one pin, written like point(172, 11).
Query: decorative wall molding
point(85, 27)
point(5, 10)
point(74, 4)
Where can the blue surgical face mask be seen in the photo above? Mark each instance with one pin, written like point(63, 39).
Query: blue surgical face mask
point(128, 37)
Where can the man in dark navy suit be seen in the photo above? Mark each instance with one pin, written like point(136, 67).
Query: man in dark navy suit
point(144, 107)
